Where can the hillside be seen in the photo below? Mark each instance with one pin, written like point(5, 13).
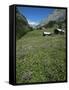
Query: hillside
point(40, 59)
point(22, 26)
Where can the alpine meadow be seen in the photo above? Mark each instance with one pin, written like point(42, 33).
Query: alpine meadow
point(40, 45)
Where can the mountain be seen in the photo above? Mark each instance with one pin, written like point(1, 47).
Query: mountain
point(59, 15)
point(22, 26)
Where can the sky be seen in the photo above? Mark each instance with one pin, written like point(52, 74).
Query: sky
point(35, 15)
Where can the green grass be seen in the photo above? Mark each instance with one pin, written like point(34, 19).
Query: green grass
point(40, 59)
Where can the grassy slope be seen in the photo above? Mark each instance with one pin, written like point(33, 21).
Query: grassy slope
point(40, 59)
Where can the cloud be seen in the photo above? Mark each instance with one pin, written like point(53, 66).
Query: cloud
point(32, 23)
